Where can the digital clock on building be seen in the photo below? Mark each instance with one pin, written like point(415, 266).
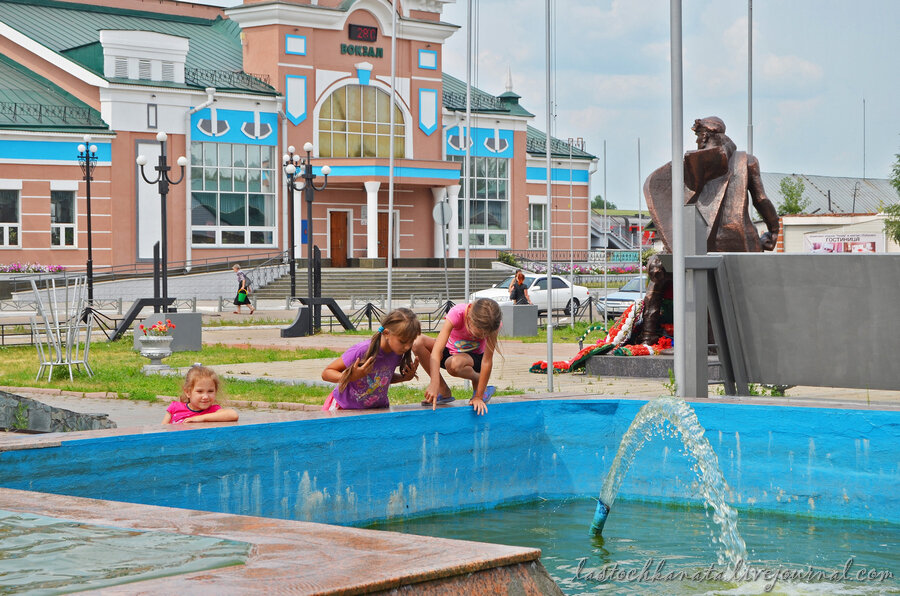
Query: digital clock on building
point(363, 33)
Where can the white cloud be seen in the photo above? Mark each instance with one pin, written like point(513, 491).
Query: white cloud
point(792, 71)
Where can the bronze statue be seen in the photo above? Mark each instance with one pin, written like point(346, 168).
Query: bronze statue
point(717, 179)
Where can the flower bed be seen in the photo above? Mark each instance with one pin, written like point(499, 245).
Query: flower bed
point(30, 268)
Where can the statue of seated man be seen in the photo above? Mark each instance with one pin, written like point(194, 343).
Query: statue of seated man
point(722, 182)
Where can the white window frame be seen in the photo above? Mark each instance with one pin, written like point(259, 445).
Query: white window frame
point(402, 125)
point(537, 237)
point(63, 226)
point(474, 179)
point(202, 170)
point(7, 227)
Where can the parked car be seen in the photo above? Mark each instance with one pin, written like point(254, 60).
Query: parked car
point(537, 291)
point(619, 301)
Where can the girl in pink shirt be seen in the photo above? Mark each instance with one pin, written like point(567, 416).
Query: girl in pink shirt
point(465, 348)
point(198, 400)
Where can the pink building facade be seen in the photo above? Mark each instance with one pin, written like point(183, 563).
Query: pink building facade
point(234, 89)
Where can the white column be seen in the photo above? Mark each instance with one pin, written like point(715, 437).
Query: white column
point(453, 228)
point(439, 192)
point(372, 218)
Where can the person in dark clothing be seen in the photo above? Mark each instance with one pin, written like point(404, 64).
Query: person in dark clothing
point(243, 293)
point(518, 293)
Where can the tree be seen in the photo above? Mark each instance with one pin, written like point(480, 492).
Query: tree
point(599, 203)
point(892, 221)
point(792, 189)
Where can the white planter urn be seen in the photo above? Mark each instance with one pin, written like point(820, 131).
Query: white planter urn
point(155, 347)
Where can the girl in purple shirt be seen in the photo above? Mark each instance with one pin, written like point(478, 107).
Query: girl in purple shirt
point(365, 371)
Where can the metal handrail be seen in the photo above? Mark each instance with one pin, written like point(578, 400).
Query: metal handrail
point(268, 271)
point(145, 269)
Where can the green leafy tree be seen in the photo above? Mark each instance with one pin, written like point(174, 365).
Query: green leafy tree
point(892, 222)
point(600, 203)
point(792, 189)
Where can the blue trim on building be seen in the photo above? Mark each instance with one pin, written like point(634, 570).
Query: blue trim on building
point(428, 130)
point(480, 136)
point(424, 63)
point(561, 175)
point(399, 172)
point(364, 75)
point(295, 117)
point(236, 120)
point(287, 39)
point(50, 151)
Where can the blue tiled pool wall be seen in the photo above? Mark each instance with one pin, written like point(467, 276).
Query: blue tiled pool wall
point(841, 463)
point(809, 461)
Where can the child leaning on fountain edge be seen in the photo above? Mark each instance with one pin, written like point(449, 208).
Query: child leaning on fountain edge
point(198, 400)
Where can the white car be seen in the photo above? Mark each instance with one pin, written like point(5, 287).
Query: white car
point(537, 291)
point(618, 302)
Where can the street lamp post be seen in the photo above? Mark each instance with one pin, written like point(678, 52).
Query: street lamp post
point(87, 159)
point(163, 181)
point(290, 161)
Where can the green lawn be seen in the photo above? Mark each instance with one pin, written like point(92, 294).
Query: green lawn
point(117, 369)
point(565, 333)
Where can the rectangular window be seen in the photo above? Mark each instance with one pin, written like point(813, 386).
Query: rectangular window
point(10, 221)
point(488, 204)
point(232, 195)
point(62, 218)
point(537, 226)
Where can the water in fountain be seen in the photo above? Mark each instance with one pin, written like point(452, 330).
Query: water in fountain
point(682, 422)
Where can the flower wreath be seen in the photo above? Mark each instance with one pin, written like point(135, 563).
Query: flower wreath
point(618, 334)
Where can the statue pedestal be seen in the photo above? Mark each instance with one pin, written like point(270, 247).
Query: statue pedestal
point(648, 367)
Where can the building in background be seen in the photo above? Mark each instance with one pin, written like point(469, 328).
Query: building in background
point(233, 89)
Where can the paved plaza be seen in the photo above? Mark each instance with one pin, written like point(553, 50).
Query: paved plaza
point(510, 374)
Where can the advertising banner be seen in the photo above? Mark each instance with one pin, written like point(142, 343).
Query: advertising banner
point(841, 243)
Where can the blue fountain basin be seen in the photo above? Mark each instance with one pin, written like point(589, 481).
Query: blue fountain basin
point(839, 463)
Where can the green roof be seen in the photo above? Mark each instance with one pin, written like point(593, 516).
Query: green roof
point(506, 103)
point(215, 56)
point(30, 102)
point(536, 143)
point(455, 99)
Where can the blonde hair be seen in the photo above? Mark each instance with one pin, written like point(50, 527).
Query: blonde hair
point(401, 322)
point(195, 374)
point(483, 316)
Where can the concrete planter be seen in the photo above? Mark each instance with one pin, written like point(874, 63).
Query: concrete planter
point(519, 320)
point(187, 334)
point(155, 347)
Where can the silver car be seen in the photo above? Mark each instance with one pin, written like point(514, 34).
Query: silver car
point(618, 302)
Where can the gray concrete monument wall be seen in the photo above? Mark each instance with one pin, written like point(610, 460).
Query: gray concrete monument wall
point(830, 320)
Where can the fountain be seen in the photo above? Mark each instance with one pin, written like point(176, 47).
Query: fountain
point(651, 420)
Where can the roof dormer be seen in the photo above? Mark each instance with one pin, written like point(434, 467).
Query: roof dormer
point(143, 56)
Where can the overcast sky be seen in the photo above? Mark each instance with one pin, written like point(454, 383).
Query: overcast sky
point(814, 62)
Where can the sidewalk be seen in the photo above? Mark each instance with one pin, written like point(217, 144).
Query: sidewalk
point(511, 373)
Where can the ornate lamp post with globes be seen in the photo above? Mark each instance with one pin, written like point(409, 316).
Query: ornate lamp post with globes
point(163, 181)
point(87, 159)
point(291, 161)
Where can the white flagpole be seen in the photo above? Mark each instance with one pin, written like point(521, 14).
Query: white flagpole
point(549, 222)
point(390, 246)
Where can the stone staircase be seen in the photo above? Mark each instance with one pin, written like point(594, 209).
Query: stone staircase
point(370, 285)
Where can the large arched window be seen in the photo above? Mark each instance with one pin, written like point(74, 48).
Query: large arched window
point(355, 121)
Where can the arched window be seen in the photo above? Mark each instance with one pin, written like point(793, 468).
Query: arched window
point(355, 121)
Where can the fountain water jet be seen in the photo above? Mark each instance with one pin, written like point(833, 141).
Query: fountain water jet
point(682, 422)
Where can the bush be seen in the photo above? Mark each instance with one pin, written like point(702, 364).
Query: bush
point(508, 258)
